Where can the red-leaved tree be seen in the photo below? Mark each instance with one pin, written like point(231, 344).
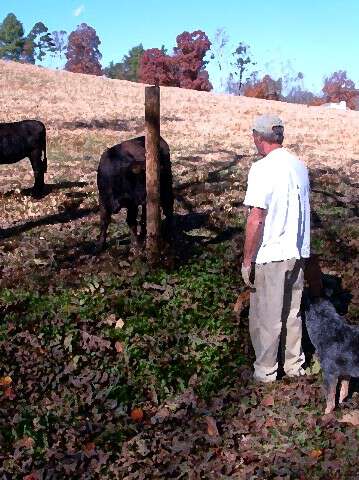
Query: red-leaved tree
point(189, 55)
point(82, 51)
point(266, 88)
point(338, 87)
point(157, 68)
point(186, 68)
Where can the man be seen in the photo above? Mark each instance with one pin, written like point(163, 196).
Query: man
point(276, 242)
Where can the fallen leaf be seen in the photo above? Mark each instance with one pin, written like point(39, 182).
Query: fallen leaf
point(25, 442)
point(5, 381)
point(327, 419)
point(269, 422)
point(315, 453)
point(120, 323)
point(160, 415)
point(137, 415)
point(163, 412)
point(110, 320)
point(249, 457)
point(339, 438)
point(267, 401)
point(351, 417)
point(192, 382)
point(153, 286)
point(31, 476)
point(9, 393)
point(89, 448)
point(119, 346)
point(212, 429)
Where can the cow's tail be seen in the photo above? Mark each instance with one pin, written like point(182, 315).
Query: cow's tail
point(44, 160)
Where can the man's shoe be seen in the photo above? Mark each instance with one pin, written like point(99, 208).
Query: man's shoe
point(300, 373)
point(263, 379)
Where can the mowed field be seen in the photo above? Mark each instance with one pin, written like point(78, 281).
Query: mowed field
point(110, 370)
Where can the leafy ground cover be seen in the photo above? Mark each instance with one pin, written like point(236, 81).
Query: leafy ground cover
point(112, 371)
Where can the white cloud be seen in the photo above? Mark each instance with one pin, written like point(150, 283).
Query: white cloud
point(77, 12)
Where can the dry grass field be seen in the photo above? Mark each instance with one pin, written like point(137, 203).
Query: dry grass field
point(85, 113)
point(109, 370)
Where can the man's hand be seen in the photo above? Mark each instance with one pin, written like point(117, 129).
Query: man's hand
point(246, 271)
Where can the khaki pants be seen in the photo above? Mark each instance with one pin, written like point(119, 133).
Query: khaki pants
point(274, 315)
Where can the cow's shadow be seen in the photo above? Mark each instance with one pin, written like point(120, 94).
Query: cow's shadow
point(63, 217)
point(48, 188)
point(69, 211)
point(54, 187)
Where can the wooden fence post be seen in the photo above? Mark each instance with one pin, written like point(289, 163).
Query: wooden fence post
point(152, 121)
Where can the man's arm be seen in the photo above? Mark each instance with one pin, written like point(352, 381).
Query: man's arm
point(254, 229)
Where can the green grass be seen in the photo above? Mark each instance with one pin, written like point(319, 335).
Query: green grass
point(166, 339)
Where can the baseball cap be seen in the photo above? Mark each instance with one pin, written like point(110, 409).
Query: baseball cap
point(265, 123)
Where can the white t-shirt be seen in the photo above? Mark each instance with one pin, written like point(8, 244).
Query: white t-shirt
point(279, 183)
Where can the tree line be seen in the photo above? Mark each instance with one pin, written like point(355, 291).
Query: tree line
point(184, 67)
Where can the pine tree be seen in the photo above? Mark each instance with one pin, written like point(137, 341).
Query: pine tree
point(12, 39)
point(127, 69)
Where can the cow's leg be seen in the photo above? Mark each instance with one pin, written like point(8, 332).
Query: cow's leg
point(38, 168)
point(131, 219)
point(330, 385)
point(105, 219)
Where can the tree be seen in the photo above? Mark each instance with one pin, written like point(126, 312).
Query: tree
point(266, 88)
point(299, 95)
point(185, 68)
point(12, 39)
point(37, 44)
point(218, 53)
point(337, 84)
point(242, 60)
point(127, 69)
point(189, 55)
point(296, 93)
point(338, 87)
point(156, 68)
point(59, 39)
point(82, 51)
point(218, 47)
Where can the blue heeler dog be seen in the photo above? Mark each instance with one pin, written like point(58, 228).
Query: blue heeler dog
point(337, 346)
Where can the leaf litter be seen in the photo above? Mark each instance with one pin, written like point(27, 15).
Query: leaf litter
point(109, 371)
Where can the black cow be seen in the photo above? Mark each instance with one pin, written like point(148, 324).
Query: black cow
point(121, 181)
point(25, 139)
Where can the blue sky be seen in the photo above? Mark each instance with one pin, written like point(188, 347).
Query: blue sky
point(316, 37)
